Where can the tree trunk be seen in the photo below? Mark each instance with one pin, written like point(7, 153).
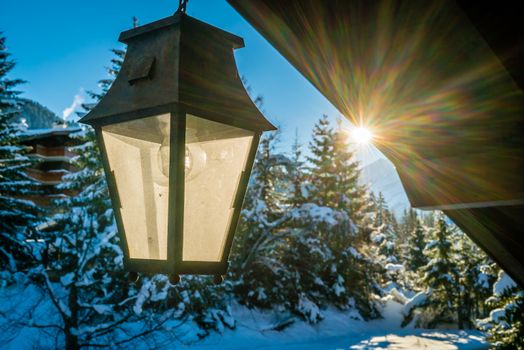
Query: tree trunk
point(71, 340)
point(460, 312)
point(71, 324)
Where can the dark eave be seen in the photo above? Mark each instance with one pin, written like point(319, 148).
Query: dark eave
point(440, 83)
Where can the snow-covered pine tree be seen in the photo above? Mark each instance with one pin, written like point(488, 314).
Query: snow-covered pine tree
point(105, 84)
point(384, 249)
point(269, 177)
point(385, 232)
point(323, 178)
point(489, 273)
point(474, 281)
point(366, 242)
point(18, 215)
point(195, 299)
point(332, 215)
point(303, 255)
point(412, 257)
point(367, 225)
point(254, 264)
point(505, 324)
point(299, 251)
point(84, 280)
point(297, 176)
point(429, 218)
point(351, 196)
point(440, 277)
point(87, 265)
point(381, 207)
point(407, 224)
point(415, 257)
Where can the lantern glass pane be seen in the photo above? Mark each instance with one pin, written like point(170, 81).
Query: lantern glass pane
point(216, 156)
point(138, 155)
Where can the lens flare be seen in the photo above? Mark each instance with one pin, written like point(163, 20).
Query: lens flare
point(361, 135)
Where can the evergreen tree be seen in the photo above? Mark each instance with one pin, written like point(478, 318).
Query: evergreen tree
point(333, 215)
point(85, 280)
point(483, 286)
point(301, 251)
point(105, 84)
point(254, 265)
point(416, 244)
point(457, 277)
point(18, 215)
point(367, 225)
point(409, 221)
point(441, 277)
point(88, 261)
point(350, 195)
point(474, 281)
point(269, 174)
point(384, 233)
point(384, 250)
point(305, 257)
point(429, 219)
point(505, 324)
point(323, 178)
point(297, 176)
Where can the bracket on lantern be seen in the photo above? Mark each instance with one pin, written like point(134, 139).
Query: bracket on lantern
point(143, 69)
point(178, 135)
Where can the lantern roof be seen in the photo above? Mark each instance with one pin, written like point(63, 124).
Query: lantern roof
point(179, 64)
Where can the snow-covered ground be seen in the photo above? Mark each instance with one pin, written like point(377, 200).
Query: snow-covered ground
point(256, 330)
point(338, 330)
point(365, 341)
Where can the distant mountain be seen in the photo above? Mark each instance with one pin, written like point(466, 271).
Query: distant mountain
point(36, 116)
point(381, 176)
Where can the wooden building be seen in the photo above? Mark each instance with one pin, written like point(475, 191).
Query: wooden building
point(51, 150)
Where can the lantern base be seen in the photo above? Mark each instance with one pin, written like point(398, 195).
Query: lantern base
point(132, 277)
point(218, 279)
point(174, 279)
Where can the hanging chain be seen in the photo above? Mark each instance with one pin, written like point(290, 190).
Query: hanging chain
point(182, 6)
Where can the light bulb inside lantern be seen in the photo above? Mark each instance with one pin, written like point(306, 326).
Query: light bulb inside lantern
point(194, 162)
point(196, 157)
point(161, 176)
point(163, 159)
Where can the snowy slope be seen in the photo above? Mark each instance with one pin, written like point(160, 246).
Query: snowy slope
point(381, 176)
point(36, 116)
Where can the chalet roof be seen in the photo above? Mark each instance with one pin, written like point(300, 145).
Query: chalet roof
point(51, 137)
point(31, 134)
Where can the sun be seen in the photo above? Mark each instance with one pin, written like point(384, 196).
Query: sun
point(361, 135)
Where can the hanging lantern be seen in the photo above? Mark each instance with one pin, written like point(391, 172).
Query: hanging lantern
point(178, 135)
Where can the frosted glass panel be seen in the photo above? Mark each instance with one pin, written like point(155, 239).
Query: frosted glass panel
point(138, 154)
point(216, 155)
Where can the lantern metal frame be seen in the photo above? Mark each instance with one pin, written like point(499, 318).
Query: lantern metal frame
point(178, 66)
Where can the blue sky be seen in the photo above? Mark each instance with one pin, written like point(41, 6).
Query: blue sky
point(61, 48)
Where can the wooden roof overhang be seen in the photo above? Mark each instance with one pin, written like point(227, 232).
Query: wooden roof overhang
point(440, 83)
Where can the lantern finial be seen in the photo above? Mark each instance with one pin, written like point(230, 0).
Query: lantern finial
point(182, 4)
